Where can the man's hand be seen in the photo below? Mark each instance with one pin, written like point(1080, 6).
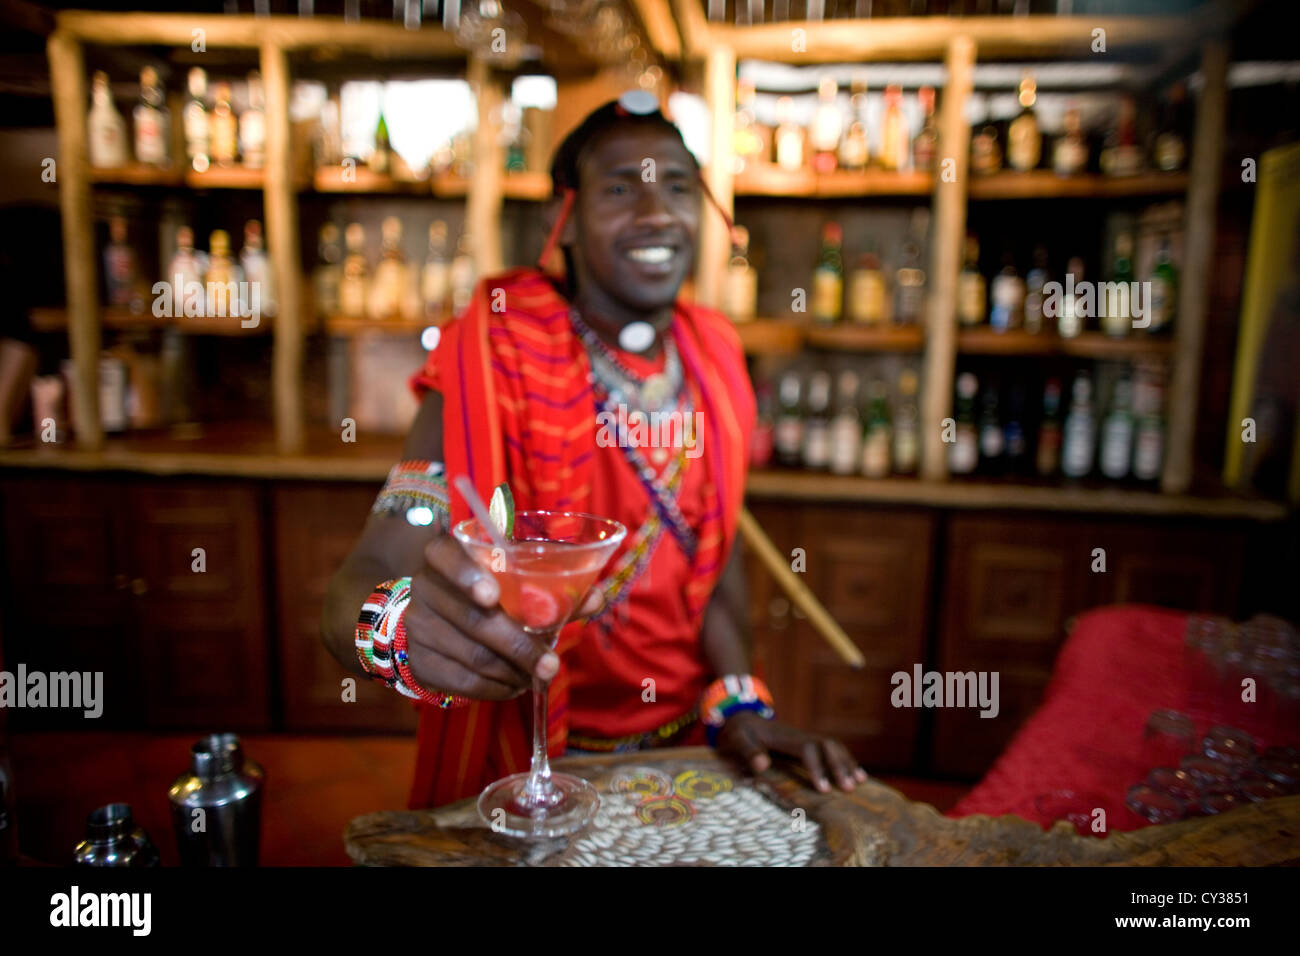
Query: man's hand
point(749, 738)
point(458, 638)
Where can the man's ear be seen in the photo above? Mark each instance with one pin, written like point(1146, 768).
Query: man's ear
point(551, 212)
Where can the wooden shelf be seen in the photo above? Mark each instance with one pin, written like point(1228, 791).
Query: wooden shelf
point(137, 174)
point(362, 179)
point(55, 319)
point(766, 179)
point(771, 336)
point(855, 337)
point(216, 177)
point(532, 187)
point(1045, 184)
point(226, 177)
point(344, 326)
point(983, 340)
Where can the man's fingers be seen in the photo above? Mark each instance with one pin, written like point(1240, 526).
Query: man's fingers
point(811, 752)
point(843, 766)
point(489, 627)
point(450, 560)
point(438, 636)
point(443, 675)
point(592, 604)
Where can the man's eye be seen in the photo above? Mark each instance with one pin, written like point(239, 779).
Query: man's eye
point(617, 189)
point(681, 188)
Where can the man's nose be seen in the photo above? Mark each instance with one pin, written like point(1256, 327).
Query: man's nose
point(651, 208)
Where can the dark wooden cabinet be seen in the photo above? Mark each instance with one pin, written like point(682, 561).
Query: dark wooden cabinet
point(315, 527)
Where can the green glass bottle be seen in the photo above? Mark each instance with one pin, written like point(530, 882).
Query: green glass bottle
point(381, 160)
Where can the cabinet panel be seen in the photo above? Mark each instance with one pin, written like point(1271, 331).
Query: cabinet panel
point(315, 526)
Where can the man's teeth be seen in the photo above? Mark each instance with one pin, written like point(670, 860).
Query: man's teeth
point(650, 254)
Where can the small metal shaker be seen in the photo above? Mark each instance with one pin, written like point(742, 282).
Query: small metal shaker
point(113, 839)
point(217, 805)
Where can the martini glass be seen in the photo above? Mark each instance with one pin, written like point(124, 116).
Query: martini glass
point(543, 571)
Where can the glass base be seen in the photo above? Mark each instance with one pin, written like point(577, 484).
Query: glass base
point(500, 809)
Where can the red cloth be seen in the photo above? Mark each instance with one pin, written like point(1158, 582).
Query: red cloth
point(1119, 665)
point(517, 407)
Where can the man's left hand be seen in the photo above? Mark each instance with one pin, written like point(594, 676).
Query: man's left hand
point(750, 738)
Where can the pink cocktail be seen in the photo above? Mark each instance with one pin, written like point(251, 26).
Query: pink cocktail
point(543, 572)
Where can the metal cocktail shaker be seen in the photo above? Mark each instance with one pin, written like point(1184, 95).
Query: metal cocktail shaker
point(217, 805)
point(113, 839)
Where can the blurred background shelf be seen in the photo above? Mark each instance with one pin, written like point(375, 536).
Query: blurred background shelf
point(772, 336)
point(850, 337)
point(346, 327)
point(770, 180)
point(1045, 184)
point(1093, 345)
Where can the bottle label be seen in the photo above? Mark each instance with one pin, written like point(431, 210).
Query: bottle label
point(846, 444)
point(1069, 158)
point(1148, 452)
point(875, 453)
point(1161, 303)
point(1117, 447)
point(991, 441)
point(789, 437)
point(816, 444)
point(905, 450)
point(1024, 144)
point(827, 292)
point(1049, 449)
point(150, 143)
point(963, 454)
point(867, 296)
point(1076, 459)
point(971, 295)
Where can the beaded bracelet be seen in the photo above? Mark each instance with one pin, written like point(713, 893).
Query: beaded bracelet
point(382, 648)
point(730, 695)
point(417, 490)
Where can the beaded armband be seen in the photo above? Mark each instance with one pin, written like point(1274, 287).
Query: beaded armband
point(416, 490)
point(731, 694)
point(381, 644)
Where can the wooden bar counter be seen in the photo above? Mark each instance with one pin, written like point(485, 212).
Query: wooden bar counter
point(715, 816)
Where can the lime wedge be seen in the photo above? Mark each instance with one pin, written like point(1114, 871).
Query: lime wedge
point(501, 509)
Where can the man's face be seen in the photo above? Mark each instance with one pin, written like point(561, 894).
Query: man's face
point(635, 222)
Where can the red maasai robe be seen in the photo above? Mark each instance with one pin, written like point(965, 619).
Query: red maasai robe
point(518, 407)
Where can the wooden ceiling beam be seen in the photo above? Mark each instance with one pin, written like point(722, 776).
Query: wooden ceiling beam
point(660, 27)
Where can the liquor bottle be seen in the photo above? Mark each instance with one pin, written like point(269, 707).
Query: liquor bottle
point(867, 299)
point(926, 144)
point(119, 265)
point(1117, 310)
point(1117, 433)
point(879, 435)
point(740, 284)
point(391, 274)
point(788, 140)
point(817, 426)
point(1070, 152)
point(106, 130)
point(194, 118)
point(252, 124)
point(827, 125)
point(1047, 457)
point(991, 438)
point(907, 425)
point(963, 453)
point(909, 286)
point(222, 128)
point(185, 273)
point(846, 426)
point(1169, 152)
point(747, 141)
point(1149, 437)
point(435, 278)
point(1008, 296)
point(354, 287)
point(1073, 312)
point(1120, 156)
point(1014, 443)
point(971, 291)
point(985, 150)
point(381, 160)
point(828, 277)
point(462, 275)
point(1037, 278)
point(787, 434)
point(1024, 137)
point(762, 438)
point(152, 122)
point(222, 272)
point(1078, 448)
point(257, 267)
point(895, 138)
point(328, 277)
point(1163, 301)
point(855, 151)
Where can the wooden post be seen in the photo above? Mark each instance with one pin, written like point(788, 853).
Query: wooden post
point(714, 242)
point(483, 204)
point(281, 211)
point(946, 238)
point(68, 78)
point(1197, 265)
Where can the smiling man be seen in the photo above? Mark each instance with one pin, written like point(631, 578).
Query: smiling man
point(518, 391)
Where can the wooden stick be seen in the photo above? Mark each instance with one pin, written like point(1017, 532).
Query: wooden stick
point(798, 592)
point(715, 241)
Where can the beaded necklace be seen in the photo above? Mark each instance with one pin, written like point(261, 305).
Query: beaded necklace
point(654, 394)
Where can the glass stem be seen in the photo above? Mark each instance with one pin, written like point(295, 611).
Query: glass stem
point(539, 786)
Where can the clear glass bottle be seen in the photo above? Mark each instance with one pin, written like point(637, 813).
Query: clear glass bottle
point(740, 284)
point(985, 149)
point(223, 278)
point(855, 150)
point(926, 144)
point(463, 275)
point(1149, 434)
point(355, 286)
point(185, 273)
point(391, 273)
point(106, 130)
point(907, 425)
point(223, 138)
point(816, 430)
point(868, 297)
point(1074, 309)
point(788, 430)
point(846, 426)
point(895, 137)
point(1024, 136)
point(788, 140)
point(1080, 436)
point(1008, 296)
point(120, 272)
point(747, 143)
point(152, 122)
point(909, 286)
point(1121, 156)
point(257, 267)
point(328, 276)
point(828, 277)
point(972, 293)
point(827, 125)
point(195, 120)
point(1117, 433)
point(435, 278)
point(1070, 152)
point(252, 124)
